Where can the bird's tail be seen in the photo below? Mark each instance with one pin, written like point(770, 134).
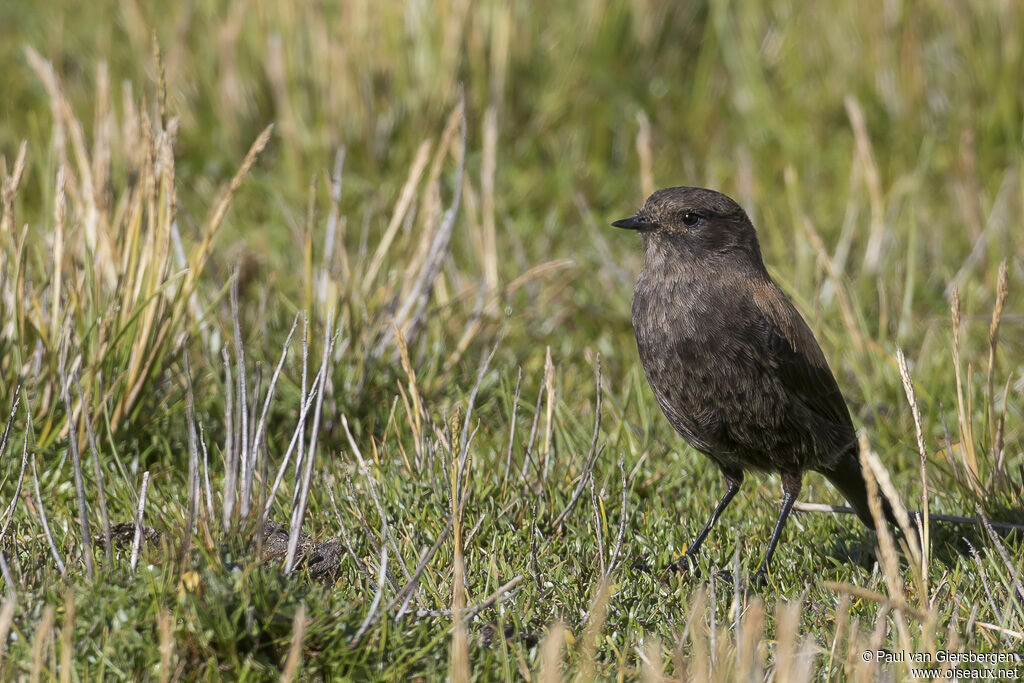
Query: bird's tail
point(847, 476)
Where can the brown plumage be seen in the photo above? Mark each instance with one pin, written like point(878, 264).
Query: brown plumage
point(732, 363)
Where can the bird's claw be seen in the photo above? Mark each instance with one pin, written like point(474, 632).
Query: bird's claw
point(685, 567)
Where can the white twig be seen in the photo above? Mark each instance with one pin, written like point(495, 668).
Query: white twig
point(230, 461)
point(303, 410)
point(101, 497)
point(76, 464)
point(206, 472)
point(137, 541)
point(9, 514)
point(622, 520)
point(299, 512)
point(243, 408)
point(935, 517)
point(7, 573)
point(270, 389)
point(42, 518)
point(512, 428)
point(10, 418)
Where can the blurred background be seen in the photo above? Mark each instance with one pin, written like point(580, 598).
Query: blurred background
point(876, 146)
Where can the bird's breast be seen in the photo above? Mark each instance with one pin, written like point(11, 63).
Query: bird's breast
point(701, 361)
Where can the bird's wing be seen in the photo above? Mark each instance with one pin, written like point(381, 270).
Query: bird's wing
point(798, 361)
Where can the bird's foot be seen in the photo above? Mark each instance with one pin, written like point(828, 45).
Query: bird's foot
point(724, 575)
point(685, 567)
point(760, 578)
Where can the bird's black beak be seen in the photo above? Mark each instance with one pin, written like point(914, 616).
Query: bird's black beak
point(635, 223)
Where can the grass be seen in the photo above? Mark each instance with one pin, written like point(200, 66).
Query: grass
point(364, 250)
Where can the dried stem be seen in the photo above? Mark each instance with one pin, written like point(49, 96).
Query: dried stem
point(9, 514)
point(245, 493)
point(101, 496)
point(512, 428)
point(230, 459)
point(139, 512)
point(42, 518)
point(299, 512)
point(76, 463)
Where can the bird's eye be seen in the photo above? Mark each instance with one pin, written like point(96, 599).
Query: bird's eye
point(690, 219)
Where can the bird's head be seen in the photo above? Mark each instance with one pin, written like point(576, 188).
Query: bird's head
point(702, 221)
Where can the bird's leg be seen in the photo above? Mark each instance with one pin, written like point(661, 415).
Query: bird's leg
point(732, 485)
point(790, 490)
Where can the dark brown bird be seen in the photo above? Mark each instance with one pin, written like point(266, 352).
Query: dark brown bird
point(732, 363)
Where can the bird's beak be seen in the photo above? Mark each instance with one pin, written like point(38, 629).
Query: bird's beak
point(635, 223)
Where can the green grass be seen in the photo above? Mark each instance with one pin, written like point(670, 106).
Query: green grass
point(876, 146)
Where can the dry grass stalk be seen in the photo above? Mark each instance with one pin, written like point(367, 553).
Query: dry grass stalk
point(409, 314)
point(787, 624)
point(598, 530)
point(300, 510)
point(165, 626)
point(15, 402)
point(872, 178)
point(617, 548)
point(220, 209)
point(549, 414)
point(488, 166)
point(297, 438)
point(76, 462)
point(405, 200)
point(9, 190)
point(643, 152)
point(59, 213)
point(132, 250)
point(512, 428)
point(6, 619)
point(698, 665)
point(954, 519)
point(42, 518)
point(67, 646)
point(923, 520)
point(294, 660)
point(994, 426)
point(551, 654)
point(242, 440)
point(652, 666)
point(889, 602)
point(9, 513)
point(139, 512)
point(193, 455)
point(41, 642)
point(414, 413)
point(964, 418)
point(230, 457)
point(749, 658)
point(101, 496)
point(888, 559)
point(460, 671)
point(206, 473)
point(592, 631)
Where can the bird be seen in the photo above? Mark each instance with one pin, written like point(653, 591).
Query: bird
point(730, 360)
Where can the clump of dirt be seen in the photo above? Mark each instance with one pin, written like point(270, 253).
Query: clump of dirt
point(122, 535)
point(322, 560)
